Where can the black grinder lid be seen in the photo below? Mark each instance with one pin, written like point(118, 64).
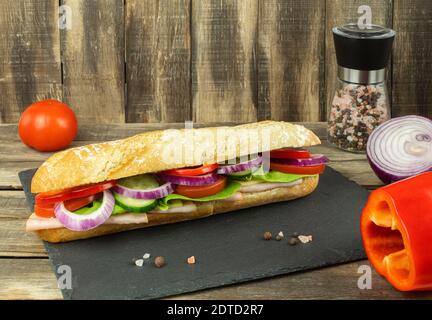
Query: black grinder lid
point(363, 49)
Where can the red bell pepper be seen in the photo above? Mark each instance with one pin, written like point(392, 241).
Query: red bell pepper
point(396, 227)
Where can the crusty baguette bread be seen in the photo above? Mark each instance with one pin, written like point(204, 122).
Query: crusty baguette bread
point(159, 150)
point(203, 210)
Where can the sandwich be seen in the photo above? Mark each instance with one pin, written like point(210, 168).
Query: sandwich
point(168, 176)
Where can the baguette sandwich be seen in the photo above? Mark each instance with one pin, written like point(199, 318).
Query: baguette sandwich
point(168, 176)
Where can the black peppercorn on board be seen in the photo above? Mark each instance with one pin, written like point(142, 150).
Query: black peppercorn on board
point(228, 248)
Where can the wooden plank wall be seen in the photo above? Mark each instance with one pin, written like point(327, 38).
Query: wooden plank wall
point(158, 57)
point(93, 60)
point(224, 78)
point(29, 55)
point(291, 59)
point(412, 65)
point(202, 60)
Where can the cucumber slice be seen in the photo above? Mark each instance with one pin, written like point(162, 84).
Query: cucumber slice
point(134, 205)
point(241, 176)
point(241, 173)
point(142, 181)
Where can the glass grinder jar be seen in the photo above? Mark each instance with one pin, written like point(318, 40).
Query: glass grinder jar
point(360, 102)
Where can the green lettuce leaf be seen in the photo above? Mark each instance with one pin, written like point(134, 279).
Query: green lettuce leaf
point(230, 189)
point(96, 204)
point(234, 185)
point(276, 176)
point(89, 208)
point(271, 176)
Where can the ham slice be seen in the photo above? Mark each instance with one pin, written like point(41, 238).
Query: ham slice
point(187, 207)
point(38, 223)
point(128, 218)
point(259, 187)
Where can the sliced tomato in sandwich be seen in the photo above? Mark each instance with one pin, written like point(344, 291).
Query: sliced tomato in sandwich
point(192, 172)
point(297, 169)
point(45, 199)
point(47, 211)
point(202, 191)
point(287, 153)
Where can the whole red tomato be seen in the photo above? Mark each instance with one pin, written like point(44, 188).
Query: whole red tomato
point(48, 125)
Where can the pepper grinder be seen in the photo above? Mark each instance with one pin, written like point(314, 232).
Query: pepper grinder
point(361, 101)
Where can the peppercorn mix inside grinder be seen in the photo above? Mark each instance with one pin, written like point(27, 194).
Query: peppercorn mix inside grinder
point(360, 102)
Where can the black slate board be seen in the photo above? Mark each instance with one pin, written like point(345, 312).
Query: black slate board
point(229, 248)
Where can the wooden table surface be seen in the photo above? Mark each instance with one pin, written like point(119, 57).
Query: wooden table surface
point(25, 272)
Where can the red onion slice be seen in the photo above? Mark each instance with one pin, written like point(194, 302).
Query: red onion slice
point(243, 166)
point(314, 160)
point(202, 180)
point(83, 222)
point(147, 194)
point(400, 148)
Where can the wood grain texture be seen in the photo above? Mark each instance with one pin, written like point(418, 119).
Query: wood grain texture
point(9, 173)
point(93, 60)
point(210, 60)
point(15, 242)
point(290, 59)
point(29, 55)
point(223, 60)
point(27, 279)
point(412, 67)
point(358, 171)
point(34, 279)
point(337, 282)
point(106, 132)
point(340, 12)
point(13, 205)
point(158, 60)
point(11, 151)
